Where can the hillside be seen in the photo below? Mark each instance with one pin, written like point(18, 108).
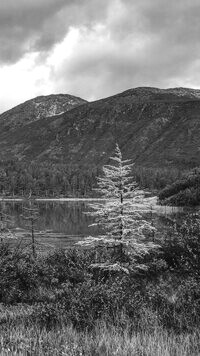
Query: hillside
point(155, 127)
point(183, 192)
point(38, 108)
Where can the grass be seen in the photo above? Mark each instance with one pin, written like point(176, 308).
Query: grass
point(67, 341)
point(21, 335)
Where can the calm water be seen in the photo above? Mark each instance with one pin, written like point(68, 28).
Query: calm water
point(60, 223)
point(61, 217)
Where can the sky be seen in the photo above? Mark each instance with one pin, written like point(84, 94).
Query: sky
point(96, 48)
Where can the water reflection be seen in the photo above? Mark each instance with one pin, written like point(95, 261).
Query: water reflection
point(65, 222)
point(61, 217)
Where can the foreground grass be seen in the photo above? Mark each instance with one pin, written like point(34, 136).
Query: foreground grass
point(20, 335)
point(102, 341)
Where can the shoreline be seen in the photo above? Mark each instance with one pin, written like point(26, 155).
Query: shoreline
point(154, 199)
point(49, 199)
point(151, 201)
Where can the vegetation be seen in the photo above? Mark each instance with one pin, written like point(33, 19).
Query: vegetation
point(19, 179)
point(58, 304)
point(53, 304)
point(18, 338)
point(31, 215)
point(185, 191)
point(125, 226)
point(5, 224)
point(52, 180)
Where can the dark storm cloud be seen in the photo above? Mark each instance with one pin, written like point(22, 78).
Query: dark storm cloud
point(20, 23)
point(36, 25)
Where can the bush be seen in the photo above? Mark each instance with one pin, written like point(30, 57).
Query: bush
point(183, 192)
point(61, 290)
point(181, 246)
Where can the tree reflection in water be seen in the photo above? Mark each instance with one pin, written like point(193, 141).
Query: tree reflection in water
point(63, 217)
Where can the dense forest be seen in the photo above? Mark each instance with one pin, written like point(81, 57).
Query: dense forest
point(58, 180)
point(21, 179)
point(184, 191)
point(17, 178)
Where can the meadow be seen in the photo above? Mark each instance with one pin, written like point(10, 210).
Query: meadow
point(55, 304)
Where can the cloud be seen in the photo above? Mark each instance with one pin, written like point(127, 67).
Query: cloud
point(36, 25)
point(95, 48)
point(22, 81)
point(138, 43)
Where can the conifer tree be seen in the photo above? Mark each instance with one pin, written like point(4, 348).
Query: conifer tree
point(31, 214)
point(122, 215)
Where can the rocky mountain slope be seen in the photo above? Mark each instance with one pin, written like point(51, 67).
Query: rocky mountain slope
point(154, 127)
point(38, 108)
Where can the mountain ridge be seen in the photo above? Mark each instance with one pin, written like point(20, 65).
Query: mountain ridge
point(153, 93)
point(154, 127)
point(39, 107)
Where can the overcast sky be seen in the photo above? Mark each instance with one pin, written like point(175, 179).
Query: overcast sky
point(96, 48)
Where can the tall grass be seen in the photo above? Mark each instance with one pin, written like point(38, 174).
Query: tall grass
point(19, 340)
point(21, 335)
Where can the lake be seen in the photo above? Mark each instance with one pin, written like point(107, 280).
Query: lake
point(61, 223)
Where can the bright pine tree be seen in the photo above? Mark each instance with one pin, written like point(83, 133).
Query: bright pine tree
point(121, 215)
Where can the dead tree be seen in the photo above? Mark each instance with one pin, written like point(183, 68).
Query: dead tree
point(31, 215)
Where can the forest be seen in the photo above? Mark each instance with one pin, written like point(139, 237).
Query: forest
point(57, 180)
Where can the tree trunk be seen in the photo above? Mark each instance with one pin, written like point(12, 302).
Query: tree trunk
point(33, 239)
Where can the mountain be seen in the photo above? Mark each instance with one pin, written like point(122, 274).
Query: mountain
point(38, 108)
point(156, 128)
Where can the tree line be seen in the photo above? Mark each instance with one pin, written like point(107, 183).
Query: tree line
point(20, 178)
point(50, 180)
